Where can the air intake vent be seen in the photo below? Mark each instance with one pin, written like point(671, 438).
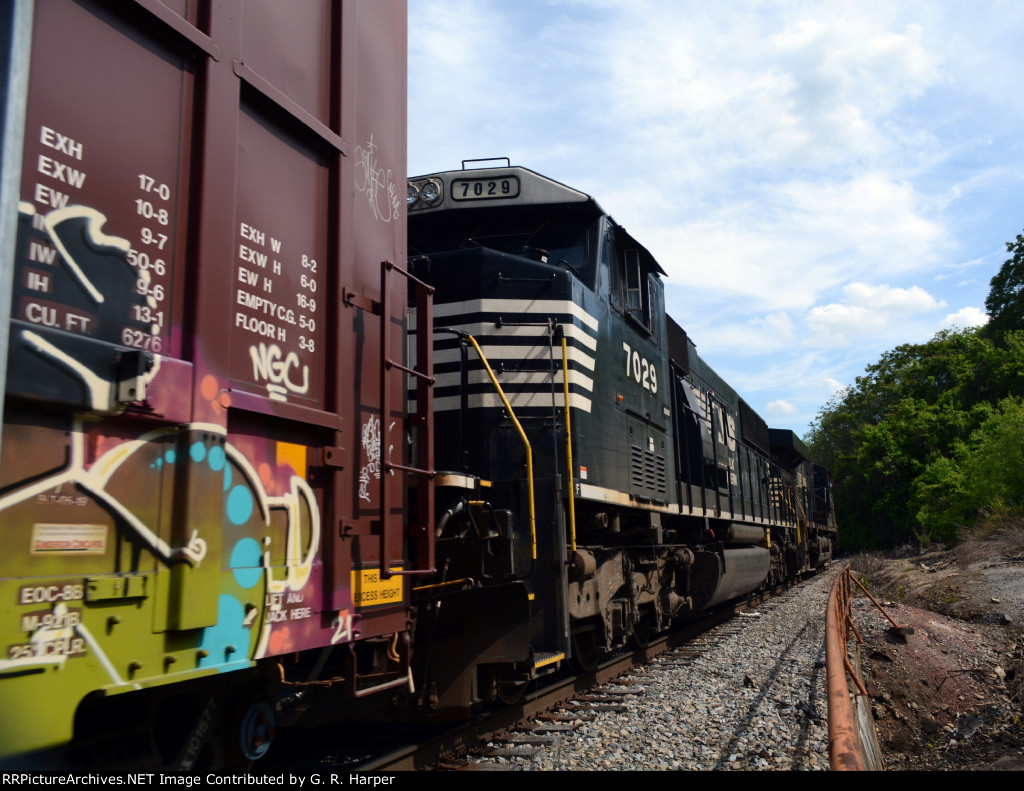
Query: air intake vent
point(647, 472)
point(636, 467)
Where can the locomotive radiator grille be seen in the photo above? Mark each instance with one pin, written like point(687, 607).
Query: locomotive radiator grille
point(636, 467)
point(647, 471)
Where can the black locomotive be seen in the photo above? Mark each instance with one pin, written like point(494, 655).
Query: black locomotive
point(600, 479)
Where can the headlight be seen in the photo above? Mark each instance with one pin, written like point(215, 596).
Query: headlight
point(430, 192)
point(412, 196)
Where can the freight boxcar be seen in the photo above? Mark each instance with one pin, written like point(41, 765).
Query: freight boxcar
point(206, 444)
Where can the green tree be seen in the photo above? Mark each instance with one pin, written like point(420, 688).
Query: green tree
point(1005, 300)
point(900, 441)
point(994, 472)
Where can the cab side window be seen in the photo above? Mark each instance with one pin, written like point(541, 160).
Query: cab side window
point(631, 292)
point(634, 282)
point(634, 286)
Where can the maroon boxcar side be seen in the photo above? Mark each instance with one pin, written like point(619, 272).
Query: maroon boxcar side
point(205, 441)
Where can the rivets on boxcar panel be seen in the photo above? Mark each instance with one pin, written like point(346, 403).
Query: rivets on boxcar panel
point(202, 653)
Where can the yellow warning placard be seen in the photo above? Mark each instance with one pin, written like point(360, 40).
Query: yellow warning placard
point(369, 590)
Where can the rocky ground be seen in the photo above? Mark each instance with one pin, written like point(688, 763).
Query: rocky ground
point(951, 694)
point(747, 695)
point(946, 695)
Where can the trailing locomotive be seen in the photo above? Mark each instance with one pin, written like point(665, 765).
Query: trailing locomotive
point(600, 479)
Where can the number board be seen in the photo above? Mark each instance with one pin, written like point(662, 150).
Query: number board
point(485, 188)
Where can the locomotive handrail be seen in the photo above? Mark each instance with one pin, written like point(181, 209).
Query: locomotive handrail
point(568, 446)
point(522, 436)
point(508, 162)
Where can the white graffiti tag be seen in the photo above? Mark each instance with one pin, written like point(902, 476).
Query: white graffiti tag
point(276, 369)
point(376, 182)
point(371, 447)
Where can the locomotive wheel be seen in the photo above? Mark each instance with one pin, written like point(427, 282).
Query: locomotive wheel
point(585, 650)
point(512, 687)
point(643, 630)
point(511, 691)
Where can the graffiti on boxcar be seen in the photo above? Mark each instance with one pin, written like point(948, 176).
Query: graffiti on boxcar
point(277, 370)
point(377, 184)
point(270, 543)
point(371, 440)
point(342, 626)
point(65, 303)
point(99, 287)
point(94, 482)
point(371, 449)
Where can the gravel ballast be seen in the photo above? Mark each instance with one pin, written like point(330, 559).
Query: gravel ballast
point(755, 699)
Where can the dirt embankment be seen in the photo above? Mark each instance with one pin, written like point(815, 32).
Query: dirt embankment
point(951, 694)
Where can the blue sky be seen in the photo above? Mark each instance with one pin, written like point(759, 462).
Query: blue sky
point(821, 181)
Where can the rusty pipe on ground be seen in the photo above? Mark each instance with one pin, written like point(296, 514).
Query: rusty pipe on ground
point(904, 630)
point(843, 747)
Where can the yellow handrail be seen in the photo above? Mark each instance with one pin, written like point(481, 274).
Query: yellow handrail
point(522, 436)
point(568, 447)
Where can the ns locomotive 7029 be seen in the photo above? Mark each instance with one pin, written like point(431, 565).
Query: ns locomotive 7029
point(600, 478)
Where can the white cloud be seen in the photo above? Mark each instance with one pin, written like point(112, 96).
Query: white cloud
point(966, 317)
point(867, 311)
point(869, 219)
point(834, 385)
point(781, 246)
point(780, 408)
point(757, 336)
point(911, 300)
point(803, 85)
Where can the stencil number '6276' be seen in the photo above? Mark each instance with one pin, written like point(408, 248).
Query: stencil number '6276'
point(640, 369)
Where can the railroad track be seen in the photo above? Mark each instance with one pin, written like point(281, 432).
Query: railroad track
point(542, 716)
point(623, 677)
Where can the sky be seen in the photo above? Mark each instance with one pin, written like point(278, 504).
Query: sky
point(821, 181)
